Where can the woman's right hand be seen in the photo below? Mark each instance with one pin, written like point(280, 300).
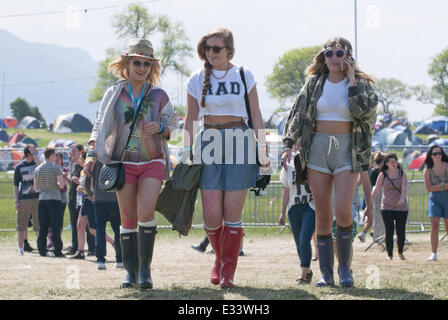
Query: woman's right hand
point(281, 220)
point(286, 157)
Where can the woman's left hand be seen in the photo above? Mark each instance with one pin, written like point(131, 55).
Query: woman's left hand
point(263, 157)
point(401, 202)
point(151, 127)
point(350, 69)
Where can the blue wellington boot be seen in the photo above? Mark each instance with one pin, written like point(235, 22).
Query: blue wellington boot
point(344, 247)
point(326, 261)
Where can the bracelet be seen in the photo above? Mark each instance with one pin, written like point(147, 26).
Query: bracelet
point(186, 149)
point(162, 128)
point(286, 149)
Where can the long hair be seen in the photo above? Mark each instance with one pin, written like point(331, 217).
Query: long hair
point(318, 66)
point(389, 156)
point(429, 162)
point(227, 37)
point(119, 68)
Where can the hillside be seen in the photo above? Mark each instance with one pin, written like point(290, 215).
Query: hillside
point(54, 78)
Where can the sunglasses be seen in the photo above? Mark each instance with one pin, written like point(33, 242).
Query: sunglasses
point(215, 49)
point(137, 63)
point(437, 153)
point(329, 53)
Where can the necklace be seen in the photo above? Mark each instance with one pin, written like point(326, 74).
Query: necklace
point(227, 70)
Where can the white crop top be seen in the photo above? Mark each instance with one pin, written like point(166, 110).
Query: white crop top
point(333, 104)
point(225, 96)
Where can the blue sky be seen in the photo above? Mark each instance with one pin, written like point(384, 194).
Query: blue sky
point(395, 38)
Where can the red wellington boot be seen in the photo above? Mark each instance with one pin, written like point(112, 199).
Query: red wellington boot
point(230, 248)
point(215, 238)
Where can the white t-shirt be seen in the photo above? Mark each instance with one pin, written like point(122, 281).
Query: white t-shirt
point(298, 194)
point(333, 104)
point(225, 96)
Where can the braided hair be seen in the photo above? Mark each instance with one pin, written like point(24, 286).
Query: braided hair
point(227, 37)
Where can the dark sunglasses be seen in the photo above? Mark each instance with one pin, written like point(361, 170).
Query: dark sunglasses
point(329, 53)
point(437, 153)
point(137, 63)
point(215, 49)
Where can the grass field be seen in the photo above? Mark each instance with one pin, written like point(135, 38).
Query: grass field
point(268, 271)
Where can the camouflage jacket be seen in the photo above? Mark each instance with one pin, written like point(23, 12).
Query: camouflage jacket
point(302, 117)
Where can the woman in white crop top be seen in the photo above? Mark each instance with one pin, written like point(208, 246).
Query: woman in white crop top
point(216, 97)
point(334, 92)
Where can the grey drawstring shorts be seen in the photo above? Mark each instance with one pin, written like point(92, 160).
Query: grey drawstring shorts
point(330, 153)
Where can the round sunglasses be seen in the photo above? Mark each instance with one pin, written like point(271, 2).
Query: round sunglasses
point(137, 63)
point(329, 53)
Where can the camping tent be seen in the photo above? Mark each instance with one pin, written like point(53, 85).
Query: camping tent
point(72, 122)
point(423, 129)
point(4, 136)
point(60, 143)
point(277, 121)
point(20, 140)
point(29, 122)
point(388, 136)
point(10, 122)
point(439, 123)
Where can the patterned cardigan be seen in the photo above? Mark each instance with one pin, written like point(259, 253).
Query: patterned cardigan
point(301, 121)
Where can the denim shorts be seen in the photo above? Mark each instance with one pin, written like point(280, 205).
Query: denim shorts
point(330, 153)
point(229, 158)
point(438, 204)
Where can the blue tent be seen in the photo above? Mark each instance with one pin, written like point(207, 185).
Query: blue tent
point(439, 123)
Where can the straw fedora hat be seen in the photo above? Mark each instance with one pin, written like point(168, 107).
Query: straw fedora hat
point(140, 48)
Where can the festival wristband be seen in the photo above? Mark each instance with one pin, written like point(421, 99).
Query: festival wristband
point(162, 128)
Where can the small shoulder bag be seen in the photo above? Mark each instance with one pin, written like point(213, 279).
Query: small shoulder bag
point(112, 176)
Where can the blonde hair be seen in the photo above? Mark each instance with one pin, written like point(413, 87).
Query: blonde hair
point(227, 37)
point(119, 68)
point(319, 67)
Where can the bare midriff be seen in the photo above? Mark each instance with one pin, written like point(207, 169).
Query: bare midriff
point(335, 127)
point(213, 120)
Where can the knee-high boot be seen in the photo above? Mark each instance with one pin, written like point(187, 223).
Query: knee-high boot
point(231, 243)
point(129, 251)
point(146, 238)
point(344, 247)
point(215, 238)
point(326, 261)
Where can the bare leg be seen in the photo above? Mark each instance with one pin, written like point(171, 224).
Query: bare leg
point(435, 233)
point(81, 227)
point(321, 187)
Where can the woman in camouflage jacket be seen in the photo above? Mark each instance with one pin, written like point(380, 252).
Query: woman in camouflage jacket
point(335, 112)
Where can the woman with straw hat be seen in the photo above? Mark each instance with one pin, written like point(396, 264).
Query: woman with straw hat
point(135, 99)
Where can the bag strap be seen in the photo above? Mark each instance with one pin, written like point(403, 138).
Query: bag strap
point(387, 176)
point(246, 98)
point(133, 123)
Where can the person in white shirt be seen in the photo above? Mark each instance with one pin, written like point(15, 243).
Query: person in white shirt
point(296, 199)
point(225, 145)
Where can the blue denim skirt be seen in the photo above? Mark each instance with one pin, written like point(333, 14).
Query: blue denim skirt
point(229, 159)
point(438, 204)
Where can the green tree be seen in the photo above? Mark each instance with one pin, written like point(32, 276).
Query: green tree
point(391, 92)
point(288, 75)
point(438, 94)
point(20, 108)
point(105, 78)
point(136, 22)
